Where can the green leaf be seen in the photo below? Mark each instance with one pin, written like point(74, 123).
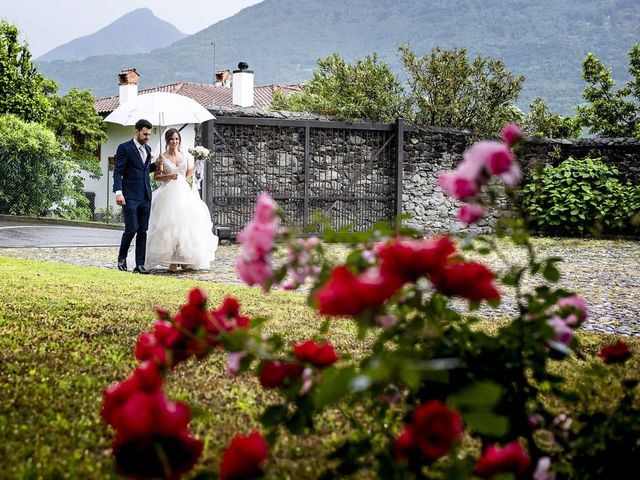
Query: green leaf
point(551, 273)
point(335, 385)
point(487, 423)
point(273, 416)
point(481, 395)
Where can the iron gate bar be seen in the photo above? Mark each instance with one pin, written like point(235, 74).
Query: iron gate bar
point(276, 122)
point(238, 159)
point(400, 127)
point(307, 174)
point(358, 174)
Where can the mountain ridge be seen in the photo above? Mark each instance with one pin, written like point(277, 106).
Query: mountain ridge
point(135, 32)
point(282, 40)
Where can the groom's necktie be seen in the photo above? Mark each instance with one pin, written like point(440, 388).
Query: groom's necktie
point(143, 154)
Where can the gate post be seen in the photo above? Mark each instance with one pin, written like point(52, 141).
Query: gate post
point(206, 141)
point(399, 167)
point(307, 166)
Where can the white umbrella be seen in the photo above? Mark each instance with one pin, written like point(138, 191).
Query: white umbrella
point(161, 109)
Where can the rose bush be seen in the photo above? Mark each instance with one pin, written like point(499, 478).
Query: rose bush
point(443, 399)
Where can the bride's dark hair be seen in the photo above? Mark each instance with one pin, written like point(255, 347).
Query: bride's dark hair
point(169, 133)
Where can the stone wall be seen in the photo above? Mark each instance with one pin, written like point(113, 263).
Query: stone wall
point(428, 152)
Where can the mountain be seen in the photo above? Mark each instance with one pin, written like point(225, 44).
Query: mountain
point(138, 31)
point(545, 40)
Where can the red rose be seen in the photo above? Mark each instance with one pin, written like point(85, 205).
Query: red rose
point(320, 356)
point(197, 298)
point(230, 307)
point(325, 356)
point(145, 378)
point(274, 373)
point(471, 280)
point(411, 259)
point(347, 294)
point(405, 446)
point(511, 458)
point(243, 457)
point(615, 353)
point(149, 348)
point(435, 429)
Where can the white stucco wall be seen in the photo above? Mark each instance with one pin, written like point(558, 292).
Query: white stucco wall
point(103, 186)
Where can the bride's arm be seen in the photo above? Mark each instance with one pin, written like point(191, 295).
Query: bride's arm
point(163, 177)
point(191, 165)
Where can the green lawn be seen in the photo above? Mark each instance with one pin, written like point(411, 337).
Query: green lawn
point(67, 332)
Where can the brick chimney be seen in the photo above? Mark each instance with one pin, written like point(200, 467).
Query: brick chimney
point(128, 84)
point(243, 86)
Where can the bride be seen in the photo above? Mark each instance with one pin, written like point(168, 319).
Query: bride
point(180, 228)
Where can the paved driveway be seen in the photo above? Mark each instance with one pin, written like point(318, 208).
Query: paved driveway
point(41, 235)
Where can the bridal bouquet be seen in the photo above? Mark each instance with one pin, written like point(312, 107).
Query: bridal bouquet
point(434, 396)
point(200, 153)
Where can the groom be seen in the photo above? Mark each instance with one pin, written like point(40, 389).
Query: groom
point(133, 191)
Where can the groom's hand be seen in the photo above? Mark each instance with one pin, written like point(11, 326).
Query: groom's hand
point(120, 200)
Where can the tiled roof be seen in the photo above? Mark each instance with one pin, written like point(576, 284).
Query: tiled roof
point(209, 96)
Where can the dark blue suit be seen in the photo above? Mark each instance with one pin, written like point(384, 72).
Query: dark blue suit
point(131, 176)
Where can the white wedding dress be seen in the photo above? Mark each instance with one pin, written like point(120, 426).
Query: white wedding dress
point(180, 228)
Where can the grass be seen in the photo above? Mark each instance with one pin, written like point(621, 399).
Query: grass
point(67, 332)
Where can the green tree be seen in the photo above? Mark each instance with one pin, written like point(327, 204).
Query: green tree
point(447, 90)
point(78, 127)
point(33, 168)
point(540, 122)
point(366, 89)
point(23, 91)
point(610, 112)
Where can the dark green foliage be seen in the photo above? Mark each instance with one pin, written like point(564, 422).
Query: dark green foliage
point(78, 127)
point(449, 90)
point(540, 122)
point(366, 89)
point(32, 168)
point(23, 91)
point(582, 196)
point(610, 112)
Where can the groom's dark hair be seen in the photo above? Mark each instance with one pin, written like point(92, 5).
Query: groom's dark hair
point(142, 123)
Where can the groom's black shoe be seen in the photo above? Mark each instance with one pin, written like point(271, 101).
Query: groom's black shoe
point(122, 264)
point(141, 269)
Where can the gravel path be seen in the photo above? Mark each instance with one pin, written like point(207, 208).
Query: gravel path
point(605, 272)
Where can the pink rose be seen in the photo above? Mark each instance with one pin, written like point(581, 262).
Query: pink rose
point(458, 186)
point(511, 134)
point(563, 333)
point(233, 363)
point(254, 272)
point(573, 309)
point(470, 213)
point(266, 208)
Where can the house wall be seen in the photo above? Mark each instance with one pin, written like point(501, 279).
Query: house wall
point(103, 186)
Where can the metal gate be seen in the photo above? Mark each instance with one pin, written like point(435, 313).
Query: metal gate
point(336, 173)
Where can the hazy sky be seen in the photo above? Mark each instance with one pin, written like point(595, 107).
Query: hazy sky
point(45, 24)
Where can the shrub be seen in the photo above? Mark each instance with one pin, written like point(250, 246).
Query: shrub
point(32, 168)
point(581, 196)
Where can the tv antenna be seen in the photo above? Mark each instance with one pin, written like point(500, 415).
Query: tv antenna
point(214, 43)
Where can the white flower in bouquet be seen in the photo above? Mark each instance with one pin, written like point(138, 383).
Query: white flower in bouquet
point(200, 153)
